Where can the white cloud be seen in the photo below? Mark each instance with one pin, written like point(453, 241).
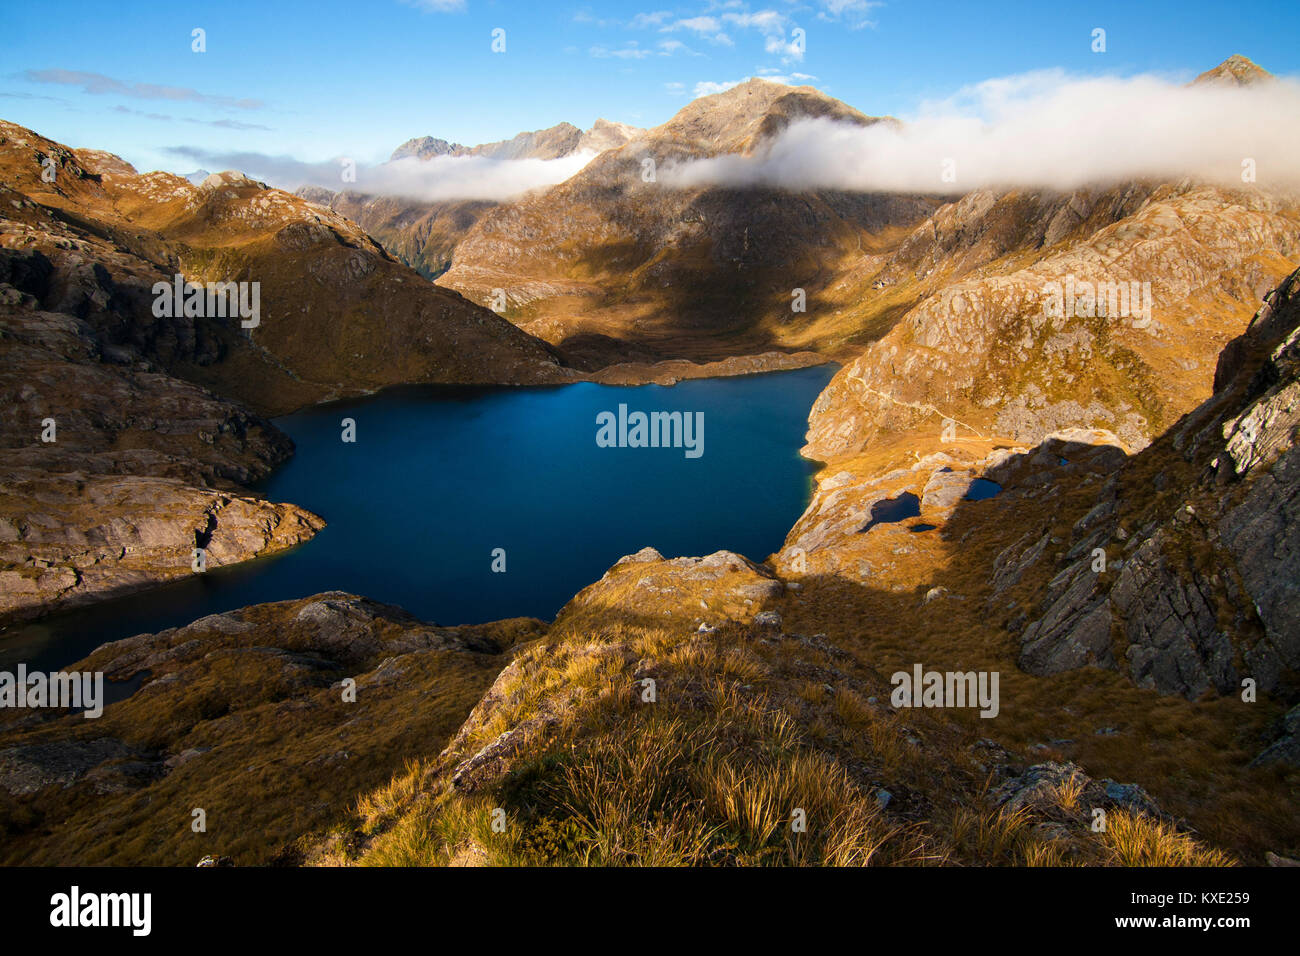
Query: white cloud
point(786, 49)
point(765, 21)
point(855, 13)
point(645, 21)
point(708, 29)
point(629, 52)
point(669, 47)
point(697, 25)
point(437, 6)
point(1042, 129)
point(469, 177)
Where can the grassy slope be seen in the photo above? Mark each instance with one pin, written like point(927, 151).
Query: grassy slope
point(748, 725)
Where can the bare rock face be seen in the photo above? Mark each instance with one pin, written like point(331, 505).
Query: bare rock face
point(66, 539)
point(1205, 592)
point(1017, 351)
point(116, 412)
point(115, 472)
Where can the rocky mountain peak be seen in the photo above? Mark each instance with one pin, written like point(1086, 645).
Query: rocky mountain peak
point(554, 142)
point(103, 163)
point(1236, 70)
point(606, 134)
point(426, 147)
point(229, 177)
point(737, 119)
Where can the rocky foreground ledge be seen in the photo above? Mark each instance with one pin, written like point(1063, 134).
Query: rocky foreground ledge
point(57, 551)
point(669, 714)
point(242, 715)
point(115, 472)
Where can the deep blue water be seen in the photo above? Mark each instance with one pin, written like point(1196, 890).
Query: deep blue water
point(982, 489)
point(439, 477)
point(892, 510)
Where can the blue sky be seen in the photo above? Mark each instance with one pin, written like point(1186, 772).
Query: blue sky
point(326, 79)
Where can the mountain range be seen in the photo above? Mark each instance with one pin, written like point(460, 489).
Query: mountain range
point(1105, 504)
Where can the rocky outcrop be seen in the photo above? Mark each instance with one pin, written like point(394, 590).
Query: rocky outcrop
point(1017, 352)
point(1285, 747)
point(1201, 594)
point(68, 539)
point(721, 586)
point(272, 719)
point(1039, 788)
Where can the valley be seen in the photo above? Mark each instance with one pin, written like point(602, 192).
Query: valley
point(1051, 435)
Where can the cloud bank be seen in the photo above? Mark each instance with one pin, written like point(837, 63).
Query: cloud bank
point(1042, 130)
point(434, 180)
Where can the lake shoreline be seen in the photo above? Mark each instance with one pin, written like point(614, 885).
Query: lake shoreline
point(170, 594)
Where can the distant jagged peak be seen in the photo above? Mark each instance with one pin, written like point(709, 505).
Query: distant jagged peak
point(426, 147)
point(316, 194)
point(554, 142)
point(550, 143)
point(1236, 70)
point(606, 134)
point(737, 119)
